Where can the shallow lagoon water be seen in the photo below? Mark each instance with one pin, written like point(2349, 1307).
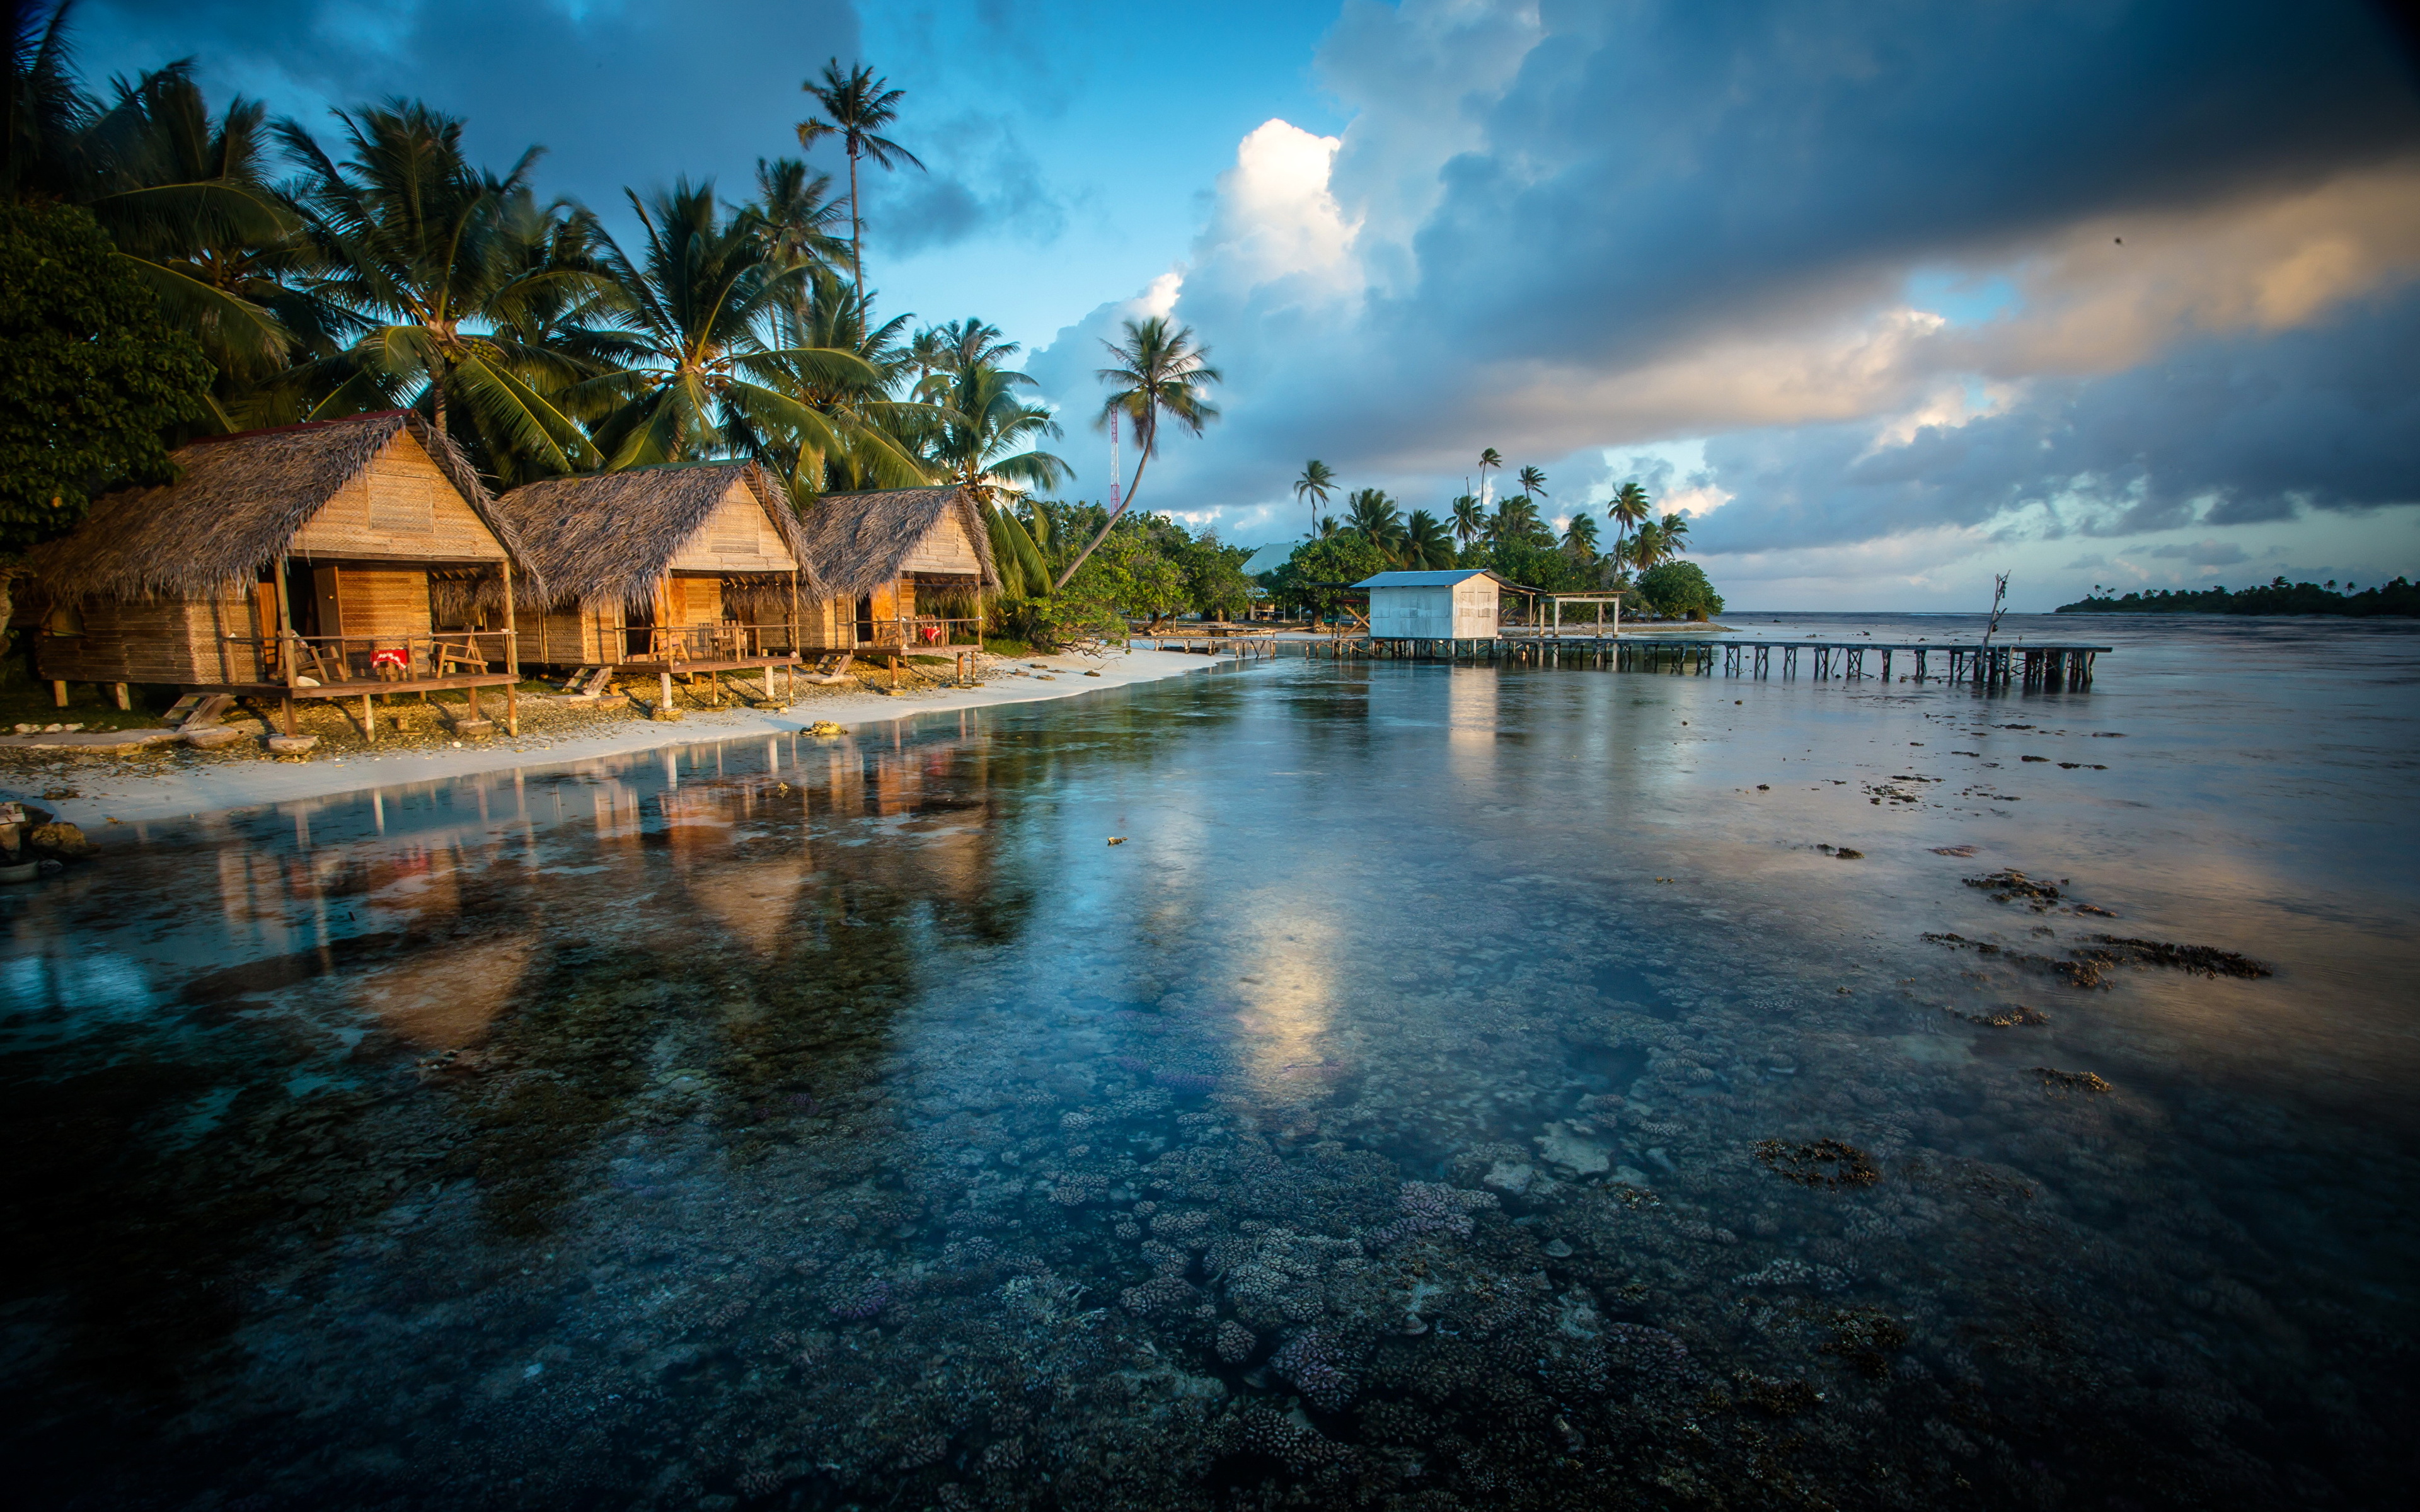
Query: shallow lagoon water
point(1404, 1113)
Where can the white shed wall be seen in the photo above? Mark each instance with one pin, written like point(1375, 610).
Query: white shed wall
point(1464, 611)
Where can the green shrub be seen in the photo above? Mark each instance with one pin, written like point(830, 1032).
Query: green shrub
point(1679, 590)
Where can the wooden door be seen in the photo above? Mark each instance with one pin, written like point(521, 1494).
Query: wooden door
point(326, 593)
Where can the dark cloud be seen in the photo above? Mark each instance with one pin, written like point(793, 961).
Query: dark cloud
point(1547, 249)
point(978, 178)
point(2204, 553)
point(620, 93)
point(2225, 432)
point(1655, 166)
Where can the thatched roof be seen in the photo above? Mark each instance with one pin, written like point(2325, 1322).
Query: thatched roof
point(857, 541)
point(601, 538)
point(237, 501)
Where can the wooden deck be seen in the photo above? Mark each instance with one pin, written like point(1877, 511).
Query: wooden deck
point(2053, 666)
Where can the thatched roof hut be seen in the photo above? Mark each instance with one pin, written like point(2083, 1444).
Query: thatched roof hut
point(607, 539)
point(243, 501)
point(858, 543)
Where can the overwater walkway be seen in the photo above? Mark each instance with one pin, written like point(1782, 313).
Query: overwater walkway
point(2046, 666)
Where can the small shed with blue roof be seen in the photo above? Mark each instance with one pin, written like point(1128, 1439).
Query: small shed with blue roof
point(1455, 605)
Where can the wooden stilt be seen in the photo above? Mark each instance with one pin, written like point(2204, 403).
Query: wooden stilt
point(123, 701)
point(369, 721)
point(59, 694)
point(512, 709)
point(666, 700)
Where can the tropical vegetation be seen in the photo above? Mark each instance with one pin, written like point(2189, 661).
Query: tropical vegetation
point(1515, 539)
point(2399, 596)
point(175, 271)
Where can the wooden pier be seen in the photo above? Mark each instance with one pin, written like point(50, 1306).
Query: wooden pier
point(1997, 666)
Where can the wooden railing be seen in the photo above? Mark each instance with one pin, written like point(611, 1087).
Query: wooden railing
point(729, 641)
point(339, 660)
point(920, 630)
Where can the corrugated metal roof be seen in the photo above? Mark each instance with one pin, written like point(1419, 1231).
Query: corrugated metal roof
point(1426, 579)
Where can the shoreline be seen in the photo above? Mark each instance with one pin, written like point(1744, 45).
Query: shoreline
point(111, 793)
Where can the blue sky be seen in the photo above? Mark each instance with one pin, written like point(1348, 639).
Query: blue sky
point(1888, 297)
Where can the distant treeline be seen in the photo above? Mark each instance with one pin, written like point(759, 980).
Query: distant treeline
point(2278, 598)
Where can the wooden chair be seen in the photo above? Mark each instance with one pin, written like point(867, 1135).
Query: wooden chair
point(444, 655)
point(323, 664)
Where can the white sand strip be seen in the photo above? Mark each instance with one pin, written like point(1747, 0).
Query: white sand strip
point(127, 794)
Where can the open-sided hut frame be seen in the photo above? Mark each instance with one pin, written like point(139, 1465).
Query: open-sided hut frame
point(902, 571)
point(318, 561)
point(693, 569)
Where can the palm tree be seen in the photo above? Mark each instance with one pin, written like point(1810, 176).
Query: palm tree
point(1648, 546)
point(1533, 482)
point(928, 352)
point(1161, 372)
point(859, 105)
point(705, 381)
point(1426, 544)
point(46, 112)
point(1375, 515)
point(1676, 534)
point(1579, 538)
point(186, 201)
point(971, 343)
point(418, 250)
point(880, 438)
point(1515, 517)
point(986, 441)
point(1488, 457)
point(1628, 509)
point(1469, 518)
point(793, 211)
point(1318, 482)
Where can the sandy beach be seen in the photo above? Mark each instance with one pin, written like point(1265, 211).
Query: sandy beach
point(176, 783)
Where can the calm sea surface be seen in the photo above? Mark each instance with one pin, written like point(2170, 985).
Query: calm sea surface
point(1400, 1086)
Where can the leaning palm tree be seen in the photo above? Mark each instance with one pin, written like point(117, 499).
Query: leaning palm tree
point(1676, 534)
point(1628, 509)
point(1488, 457)
point(1161, 374)
point(704, 381)
point(858, 106)
point(418, 251)
point(1469, 518)
point(1318, 482)
point(1533, 482)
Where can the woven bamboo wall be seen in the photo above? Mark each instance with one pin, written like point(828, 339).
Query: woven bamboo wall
point(830, 622)
point(383, 601)
point(944, 549)
point(175, 641)
point(572, 638)
point(699, 600)
point(736, 537)
point(400, 506)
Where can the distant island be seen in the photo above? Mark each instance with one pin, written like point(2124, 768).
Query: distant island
point(2278, 597)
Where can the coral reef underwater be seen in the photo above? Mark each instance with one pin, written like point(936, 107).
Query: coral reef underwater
point(756, 1134)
